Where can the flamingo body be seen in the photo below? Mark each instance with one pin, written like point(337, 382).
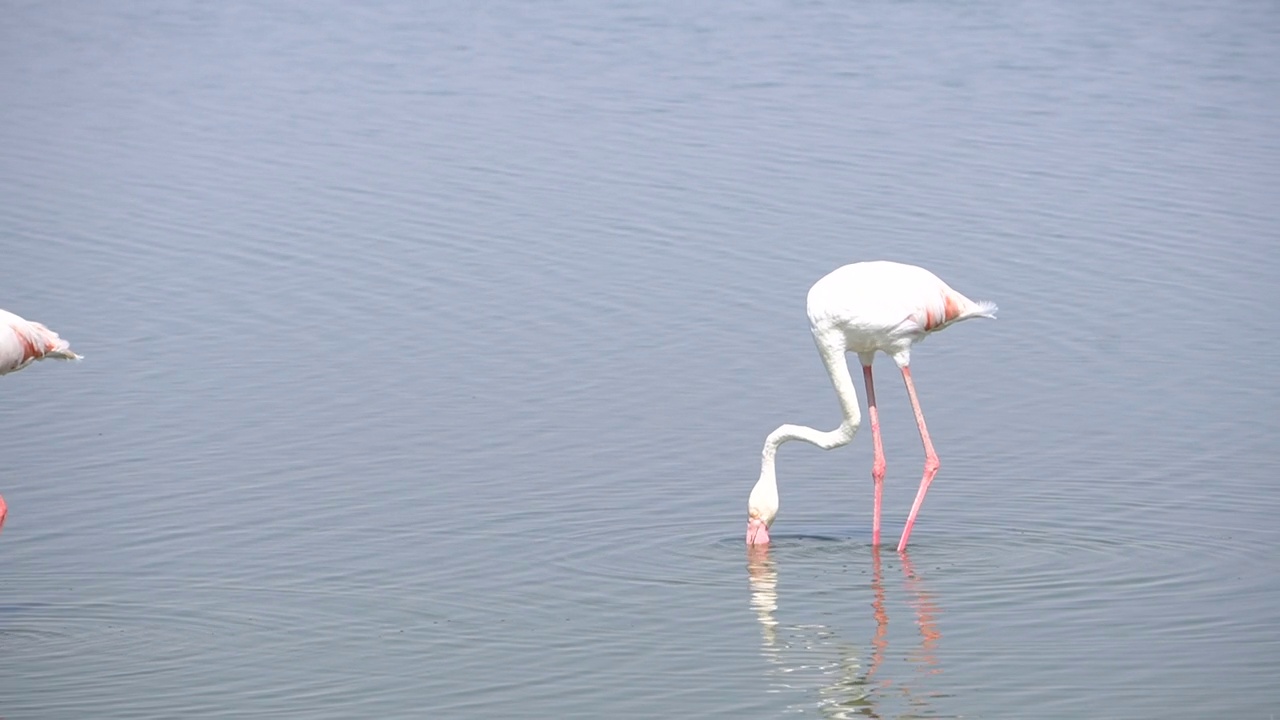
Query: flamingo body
point(864, 308)
point(886, 306)
point(22, 342)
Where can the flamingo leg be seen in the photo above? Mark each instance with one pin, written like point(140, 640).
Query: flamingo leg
point(877, 467)
point(931, 463)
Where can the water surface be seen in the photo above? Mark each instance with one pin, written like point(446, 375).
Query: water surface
point(429, 352)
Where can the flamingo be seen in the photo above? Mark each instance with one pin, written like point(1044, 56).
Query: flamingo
point(22, 342)
point(862, 308)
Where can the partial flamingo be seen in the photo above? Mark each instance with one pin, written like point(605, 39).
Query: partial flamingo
point(22, 342)
point(862, 308)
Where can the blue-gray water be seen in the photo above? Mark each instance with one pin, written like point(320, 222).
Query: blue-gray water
point(430, 349)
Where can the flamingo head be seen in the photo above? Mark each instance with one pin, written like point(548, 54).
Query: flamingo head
point(762, 508)
point(757, 532)
point(759, 519)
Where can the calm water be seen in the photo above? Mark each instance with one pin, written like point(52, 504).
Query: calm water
point(429, 352)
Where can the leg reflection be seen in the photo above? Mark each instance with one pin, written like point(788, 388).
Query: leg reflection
point(880, 640)
point(926, 618)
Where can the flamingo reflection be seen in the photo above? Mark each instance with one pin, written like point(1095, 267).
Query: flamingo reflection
point(926, 619)
point(812, 657)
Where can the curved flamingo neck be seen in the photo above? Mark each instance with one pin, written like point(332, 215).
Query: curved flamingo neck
point(831, 348)
point(833, 356)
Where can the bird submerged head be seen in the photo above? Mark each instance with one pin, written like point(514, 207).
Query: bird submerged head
point(762, 508)
point(757, 532)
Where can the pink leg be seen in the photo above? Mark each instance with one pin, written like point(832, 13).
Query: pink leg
point(877, 467)
point(931, 463)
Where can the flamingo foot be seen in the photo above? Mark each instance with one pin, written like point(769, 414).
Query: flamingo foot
point(757, 532)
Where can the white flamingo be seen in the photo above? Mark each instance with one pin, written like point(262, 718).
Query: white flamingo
point(22, 342)
point(862, 308)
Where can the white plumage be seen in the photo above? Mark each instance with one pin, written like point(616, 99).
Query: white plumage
point(864, 308)
point(22, 342)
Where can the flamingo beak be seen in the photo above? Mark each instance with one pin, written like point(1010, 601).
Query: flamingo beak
point(757, 532)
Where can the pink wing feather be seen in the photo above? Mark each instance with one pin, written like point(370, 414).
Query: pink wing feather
point(22, 342)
